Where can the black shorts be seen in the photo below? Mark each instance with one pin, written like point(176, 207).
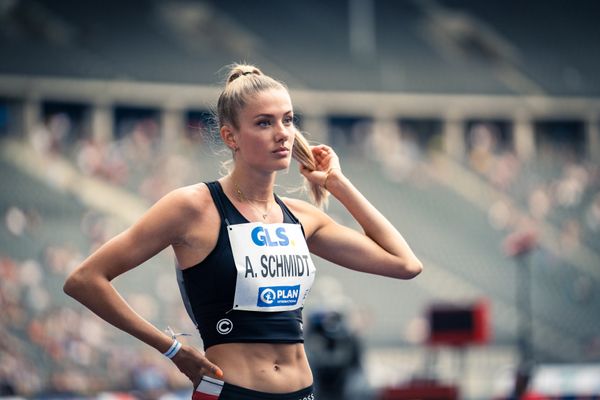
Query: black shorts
point(214, 389)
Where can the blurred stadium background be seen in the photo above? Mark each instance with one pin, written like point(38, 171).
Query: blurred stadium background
point(473, 125)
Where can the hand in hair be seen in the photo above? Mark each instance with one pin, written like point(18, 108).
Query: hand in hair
point(326, 160)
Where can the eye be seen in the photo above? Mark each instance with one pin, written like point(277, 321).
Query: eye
point(264, 123)
point(288, 120)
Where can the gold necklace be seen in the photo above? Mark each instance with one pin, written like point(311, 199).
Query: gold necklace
point(264, 214)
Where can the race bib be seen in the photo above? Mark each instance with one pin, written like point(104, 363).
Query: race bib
point(274, 268)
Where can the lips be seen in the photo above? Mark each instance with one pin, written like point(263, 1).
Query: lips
point(281, 150)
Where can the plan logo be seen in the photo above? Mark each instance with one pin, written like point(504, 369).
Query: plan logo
point(273, 296)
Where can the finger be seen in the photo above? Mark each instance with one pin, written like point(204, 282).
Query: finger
point(305, 172)
point(319, 151)
point(212, 369)
point(323, 150)
point(324, 163)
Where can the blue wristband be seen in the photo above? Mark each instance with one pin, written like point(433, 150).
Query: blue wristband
point(174, 349)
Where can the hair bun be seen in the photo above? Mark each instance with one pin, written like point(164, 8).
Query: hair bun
point(238, 70)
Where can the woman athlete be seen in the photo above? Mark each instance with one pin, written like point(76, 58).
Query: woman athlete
point(244, 252)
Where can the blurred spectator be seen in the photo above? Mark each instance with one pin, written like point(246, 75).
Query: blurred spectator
point(571, 185)
point(397, 151)
point(539, 203)
point(335, 355)
point(483, 144)
point(19, 222)
point(504, 170)
point(333, 330)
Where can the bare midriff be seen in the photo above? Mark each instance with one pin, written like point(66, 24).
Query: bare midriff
point(265, 367)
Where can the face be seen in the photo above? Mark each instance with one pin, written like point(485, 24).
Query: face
point(266, 131)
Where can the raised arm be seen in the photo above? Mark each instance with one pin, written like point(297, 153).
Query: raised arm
point(90, 284)
point(380, 250)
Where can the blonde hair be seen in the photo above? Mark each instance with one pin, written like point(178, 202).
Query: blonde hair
point(246, 81)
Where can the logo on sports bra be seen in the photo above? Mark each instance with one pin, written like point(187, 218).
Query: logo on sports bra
point(224, 326)
point(274, 296)
point(262, 237)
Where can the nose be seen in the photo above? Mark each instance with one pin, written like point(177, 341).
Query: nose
point(282, 133)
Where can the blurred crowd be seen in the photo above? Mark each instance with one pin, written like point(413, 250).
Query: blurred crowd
point(137, 160)
point(556, 189)
point(48, 345)
point(559, 186)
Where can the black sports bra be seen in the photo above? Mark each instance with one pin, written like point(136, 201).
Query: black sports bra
point(208, 290)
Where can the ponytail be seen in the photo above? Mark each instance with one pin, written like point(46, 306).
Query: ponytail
point(301, 152)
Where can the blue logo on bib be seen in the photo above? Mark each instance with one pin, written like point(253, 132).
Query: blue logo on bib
point(273, 296)
point(264, 237)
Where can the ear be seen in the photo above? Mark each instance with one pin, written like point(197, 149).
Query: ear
point(228, 136)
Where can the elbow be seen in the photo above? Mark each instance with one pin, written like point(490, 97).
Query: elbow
point(74, 284)
point(416, 268)
point(70, 285)
point(411, 269)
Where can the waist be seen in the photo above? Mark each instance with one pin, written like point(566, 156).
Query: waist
point(266, 367)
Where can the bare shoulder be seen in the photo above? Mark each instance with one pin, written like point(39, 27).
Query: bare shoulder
point(182, 205)
point(197, 223)
point(311, 217)
point(192, 198)
point(299, 206)
point(168, 221)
